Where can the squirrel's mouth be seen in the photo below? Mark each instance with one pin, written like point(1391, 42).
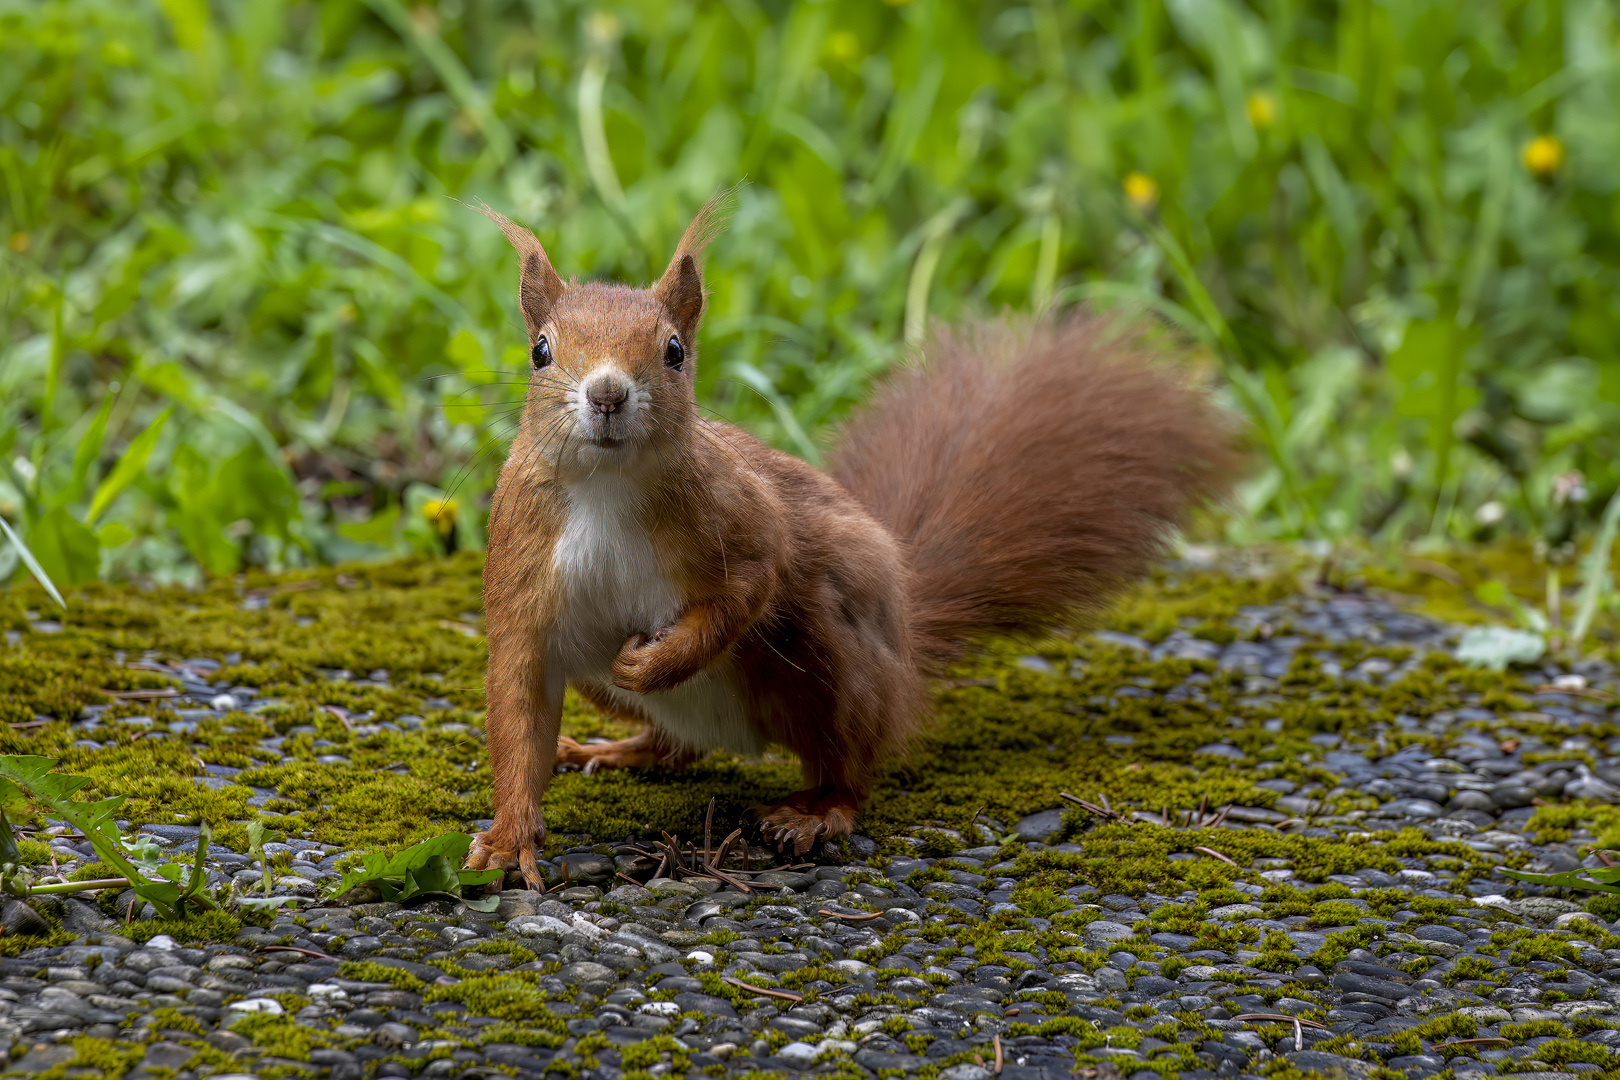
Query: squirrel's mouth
point(606, 443)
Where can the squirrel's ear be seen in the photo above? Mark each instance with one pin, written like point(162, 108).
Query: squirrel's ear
point(680, 290)
point(539, 287)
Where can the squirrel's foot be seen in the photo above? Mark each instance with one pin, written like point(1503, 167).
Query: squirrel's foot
point(499, 847)
point(641, 751)
point(804, 818)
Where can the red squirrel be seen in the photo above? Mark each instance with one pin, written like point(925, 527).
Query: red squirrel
point(680, 574)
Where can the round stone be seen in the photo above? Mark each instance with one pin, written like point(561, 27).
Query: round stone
point(1471, 800)
point(1511, 796)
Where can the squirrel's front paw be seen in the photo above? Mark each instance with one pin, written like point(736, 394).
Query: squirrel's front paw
point(642, 666)
point(499, 847)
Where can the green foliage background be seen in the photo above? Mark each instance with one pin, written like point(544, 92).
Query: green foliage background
point(240, 218)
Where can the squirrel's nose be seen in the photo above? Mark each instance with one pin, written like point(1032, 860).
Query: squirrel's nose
point(606, 395)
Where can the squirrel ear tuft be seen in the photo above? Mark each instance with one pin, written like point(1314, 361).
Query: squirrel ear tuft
point(539, 287)
point(681, 288)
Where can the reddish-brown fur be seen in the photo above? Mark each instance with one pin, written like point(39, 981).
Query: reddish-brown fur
point(1032, 471)
point(1020, 476)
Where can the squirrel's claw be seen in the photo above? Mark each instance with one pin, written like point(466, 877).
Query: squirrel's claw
point(489, 850)
point(804, 819)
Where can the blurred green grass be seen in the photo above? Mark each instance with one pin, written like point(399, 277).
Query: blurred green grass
point(234, 227)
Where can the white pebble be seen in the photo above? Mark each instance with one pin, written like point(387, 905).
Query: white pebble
point(267, 1006)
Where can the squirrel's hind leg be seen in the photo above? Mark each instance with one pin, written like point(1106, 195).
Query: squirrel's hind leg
point(650, 748)
point(806, 817)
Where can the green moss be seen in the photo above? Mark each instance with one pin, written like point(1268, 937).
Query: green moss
point(1566, 1050)
point(17, 944)
point(649, 1052)
point(522, 1035)
point(34, 852)
point(111, 1057)
point(200, 927)
point(504, 947)
point(371, 971)
point(281, 1036)
point(1542, 948)
point(1534, 1029)
point(1468, 967)
point(1005, 739)
point(503, 995)
point(175, 1020)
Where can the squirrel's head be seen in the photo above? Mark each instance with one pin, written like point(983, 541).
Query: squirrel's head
point(610, 366)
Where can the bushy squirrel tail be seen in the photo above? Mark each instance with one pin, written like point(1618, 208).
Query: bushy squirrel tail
point(1033, 471)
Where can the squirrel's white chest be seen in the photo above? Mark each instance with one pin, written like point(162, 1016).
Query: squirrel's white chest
point(611, 582)
point(613, 585)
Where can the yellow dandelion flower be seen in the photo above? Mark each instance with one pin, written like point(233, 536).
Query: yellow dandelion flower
point(441, 514)
point(1141, 192)
point(603, 27)
point(1543, 155)
point(843, 45)
point(1262, 109)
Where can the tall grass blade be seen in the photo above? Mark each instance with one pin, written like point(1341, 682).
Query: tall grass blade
point(128, 468)
point(1597, 577)
point(32, 563)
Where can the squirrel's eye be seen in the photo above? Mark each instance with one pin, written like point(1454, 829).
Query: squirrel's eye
point(674, 355)
point(541, 355)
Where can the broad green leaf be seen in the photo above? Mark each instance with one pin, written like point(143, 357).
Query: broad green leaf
point(260, 834)
point(190, 21)
point(128, 468)
point(8, 841)
point(95, 820)
point(250, 486)
point(66, 550)
point(427, 868)
point(114, 534)
point(482, 903)
point(465, 350)
point(1597, 879)
point(1495, 647)
point(377, 529)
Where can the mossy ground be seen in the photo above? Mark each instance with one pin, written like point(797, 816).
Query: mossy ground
point(1005, 741)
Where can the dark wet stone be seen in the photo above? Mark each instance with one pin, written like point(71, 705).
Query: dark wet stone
point(1154, 985)
point(785, 879)
point(167, 1055)
point(1445, 934)
point(1471, 800)
point(1175, 942)
point(1376, 971)
point(1040, 827)
point(18, 918)
point(703, 1003)
point(1413, 808)
point(1351, 983)
point(1511, 796)
point(585, 868)
point(585, 971)
point(950, 890)
point(1319, 1061)
point(393, 1034)
point(877, 1060)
